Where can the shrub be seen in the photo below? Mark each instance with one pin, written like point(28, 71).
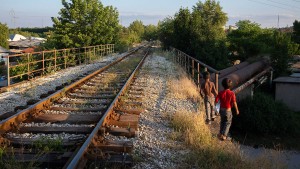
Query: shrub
point(264, 115)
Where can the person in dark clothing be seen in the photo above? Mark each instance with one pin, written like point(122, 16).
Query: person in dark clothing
point(227, 101)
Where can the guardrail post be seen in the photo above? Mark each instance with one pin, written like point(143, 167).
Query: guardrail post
point(43, 55)
point(28, 67)
point(217, 81)
point(8, 73)
point(198, 69)
point(54, 60)
point(193, 69)
point(65, 58)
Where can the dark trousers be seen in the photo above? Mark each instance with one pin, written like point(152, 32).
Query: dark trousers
point(226, 119)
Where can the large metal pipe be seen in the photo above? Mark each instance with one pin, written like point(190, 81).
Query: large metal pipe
point(242, 75)
point(229, 70)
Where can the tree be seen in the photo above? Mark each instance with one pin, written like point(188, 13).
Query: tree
point(137, 28)
point(150, 32)
point(296, 34)
point(207, 32)
point(4, 35)
point(281, 54)
point(84, 23)
point(182, 24)
point(249, 39)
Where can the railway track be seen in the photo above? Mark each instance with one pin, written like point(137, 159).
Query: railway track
point(72, 127)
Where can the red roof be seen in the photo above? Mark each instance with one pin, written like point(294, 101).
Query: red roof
point(28, 50)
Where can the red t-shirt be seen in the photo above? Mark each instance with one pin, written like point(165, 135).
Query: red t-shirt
point(227, 98)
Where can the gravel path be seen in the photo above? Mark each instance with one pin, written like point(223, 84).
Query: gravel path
point(19, 95)
point(153, 147)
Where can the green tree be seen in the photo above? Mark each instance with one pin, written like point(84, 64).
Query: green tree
point(281, 54)
point(166, 32)
point(4, 35)
point(296, 34)
point(150, 32)
point(84, 23)
point(208, 34)
point(249, 39)
point(136, 28)
point(182, 24)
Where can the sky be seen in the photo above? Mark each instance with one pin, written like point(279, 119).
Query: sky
point(38, 13)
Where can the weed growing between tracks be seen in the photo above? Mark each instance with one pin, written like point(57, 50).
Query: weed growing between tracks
point(10, 157)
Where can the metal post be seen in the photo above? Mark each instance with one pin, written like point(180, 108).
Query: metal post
point(193, 69)
point(271, 78)
point(28, 67)
point(8, 74)
point(43, 55)
point(54, 60)
point(217, 81)
point(65, 58)
point(198, 69)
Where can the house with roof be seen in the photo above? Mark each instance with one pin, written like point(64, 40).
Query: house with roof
point(16, 37)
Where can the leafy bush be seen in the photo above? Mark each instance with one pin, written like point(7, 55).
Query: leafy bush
point(264, 115)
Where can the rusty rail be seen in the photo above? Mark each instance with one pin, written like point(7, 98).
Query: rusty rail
point(193, 68)
point(11, 122)
point(37, 64)
point(80, 154)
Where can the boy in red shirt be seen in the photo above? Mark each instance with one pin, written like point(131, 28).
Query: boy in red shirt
point(227, 100)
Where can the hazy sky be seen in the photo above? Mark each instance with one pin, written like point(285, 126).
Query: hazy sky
point(37, 13)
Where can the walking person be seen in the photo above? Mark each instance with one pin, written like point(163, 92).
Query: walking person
point(208, 92)
point(227, 100)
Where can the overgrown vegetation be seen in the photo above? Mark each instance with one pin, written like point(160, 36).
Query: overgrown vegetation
point(265, 116)
point(3, 35)
point(207, 152)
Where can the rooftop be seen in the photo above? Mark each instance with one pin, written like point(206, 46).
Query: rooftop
point(294, 78)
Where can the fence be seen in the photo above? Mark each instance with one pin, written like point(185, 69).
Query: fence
point(194, 67)
point(26, 66)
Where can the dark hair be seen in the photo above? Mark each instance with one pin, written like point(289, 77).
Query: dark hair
point(206, 75)
point(227, 83)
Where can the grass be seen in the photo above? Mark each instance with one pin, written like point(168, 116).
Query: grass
point(208, 152)
point(183, 88)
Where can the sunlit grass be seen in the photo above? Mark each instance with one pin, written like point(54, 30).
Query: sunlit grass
point(211, 153)
point(183, 88)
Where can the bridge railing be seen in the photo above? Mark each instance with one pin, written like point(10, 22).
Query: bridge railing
point(27, 66)
point(194, 67)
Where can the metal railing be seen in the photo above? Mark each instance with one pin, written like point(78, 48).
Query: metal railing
point(27, 66)
point(194, 67)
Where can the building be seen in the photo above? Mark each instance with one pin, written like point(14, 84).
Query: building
point(16, 37)
point(288, 90)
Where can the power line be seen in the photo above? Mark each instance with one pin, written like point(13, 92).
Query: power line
point(291, 6)
point(270, 4)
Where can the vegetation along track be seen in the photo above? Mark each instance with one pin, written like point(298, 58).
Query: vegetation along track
point(68, 129)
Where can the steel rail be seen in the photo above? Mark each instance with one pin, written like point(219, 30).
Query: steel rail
point(9, 122)
point(76, 159)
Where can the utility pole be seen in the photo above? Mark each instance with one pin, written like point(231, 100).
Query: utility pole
point(278, 22)
point(13, 17)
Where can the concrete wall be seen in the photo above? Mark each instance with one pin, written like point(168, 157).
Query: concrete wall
point(289, 93)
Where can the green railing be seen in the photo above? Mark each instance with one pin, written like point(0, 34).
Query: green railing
point(27, 66)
